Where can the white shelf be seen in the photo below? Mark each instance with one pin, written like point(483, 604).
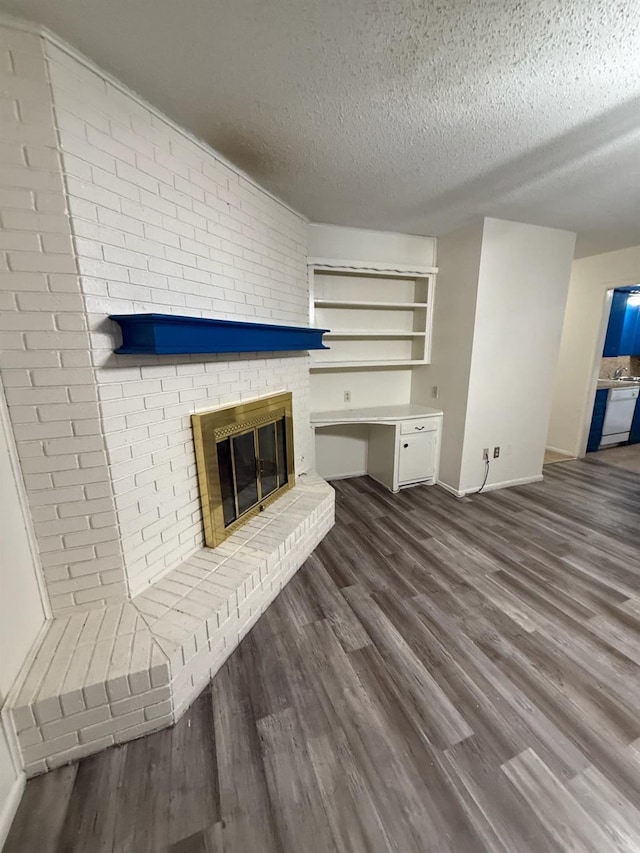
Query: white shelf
point(372, 333)
point(349, 303)
point(344, 303)
point(334, 365)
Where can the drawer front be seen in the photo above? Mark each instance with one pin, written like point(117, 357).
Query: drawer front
point(418, 425)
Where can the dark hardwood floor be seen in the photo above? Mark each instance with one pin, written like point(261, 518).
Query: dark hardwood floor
point(441, 675)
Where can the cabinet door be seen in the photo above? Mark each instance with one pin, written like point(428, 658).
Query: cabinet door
point(629, 328)
point(634, 435)
point(597, 420)
point(615, 326)
point(635, 344)
point(417, 458)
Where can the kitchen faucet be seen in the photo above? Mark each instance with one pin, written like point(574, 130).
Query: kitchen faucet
point(619, 371)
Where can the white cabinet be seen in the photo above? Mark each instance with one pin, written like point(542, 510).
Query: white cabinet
point(377, 316)
point(417, 458)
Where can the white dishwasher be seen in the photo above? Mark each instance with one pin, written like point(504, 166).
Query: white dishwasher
point(617, 420)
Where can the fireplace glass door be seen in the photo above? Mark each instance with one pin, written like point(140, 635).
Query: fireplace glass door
point(251, 466)
point(245, 460)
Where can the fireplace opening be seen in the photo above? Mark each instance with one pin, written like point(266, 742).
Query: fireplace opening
point(245, 461)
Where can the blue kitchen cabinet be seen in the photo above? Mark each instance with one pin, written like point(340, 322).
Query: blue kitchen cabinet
point(630, 340)
point(597, 419)
point(623, 329)
point(615, 325)
point(634, 435)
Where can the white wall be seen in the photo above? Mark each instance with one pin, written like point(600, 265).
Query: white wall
point(522, 291)
point(362, 244)
point(499, 309)
point(342, 451)
point(21, 610)
point(582, 342)
point(12, 782)
point(369, 387)
point(453, 332)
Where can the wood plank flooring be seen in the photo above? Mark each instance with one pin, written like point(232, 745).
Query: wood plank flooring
point(442, 676)
point(627, 457)
point(552, 456)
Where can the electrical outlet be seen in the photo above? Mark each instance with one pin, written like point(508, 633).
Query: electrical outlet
point(435, 392)
point(485, 454)
point(347, 396)
point(496, 452)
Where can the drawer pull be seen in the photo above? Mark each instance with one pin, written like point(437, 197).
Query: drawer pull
point(405, 445)
point(419, 428)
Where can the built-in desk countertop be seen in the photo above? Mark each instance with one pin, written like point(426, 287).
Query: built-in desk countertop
point(373, 414)
point(403, 443)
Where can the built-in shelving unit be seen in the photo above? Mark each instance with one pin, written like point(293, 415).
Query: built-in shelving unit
point(374, 293)
point(378, 316)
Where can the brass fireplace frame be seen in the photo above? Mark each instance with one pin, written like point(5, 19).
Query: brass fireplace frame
point(211, 427)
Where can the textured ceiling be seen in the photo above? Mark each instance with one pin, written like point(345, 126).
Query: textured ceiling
point(407, 115)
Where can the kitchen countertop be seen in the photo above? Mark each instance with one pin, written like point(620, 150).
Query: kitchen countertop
point(612, 383)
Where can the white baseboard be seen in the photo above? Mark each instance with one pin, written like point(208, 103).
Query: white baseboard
point(450, 489)
point(560, 450)
point(10, 807)
point(491, 487)
point(329, 477)
point(522, 481)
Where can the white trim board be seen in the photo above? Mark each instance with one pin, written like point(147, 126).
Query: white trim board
point(490, 487)
point(382, 268)
point(9, 808)
point(6, 427)
point(566, 453)
point(450, 489)
point(347, 476)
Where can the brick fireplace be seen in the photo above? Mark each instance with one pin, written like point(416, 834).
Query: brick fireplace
point(112, 209)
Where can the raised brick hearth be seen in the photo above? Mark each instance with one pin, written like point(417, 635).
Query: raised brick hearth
point(101, 677)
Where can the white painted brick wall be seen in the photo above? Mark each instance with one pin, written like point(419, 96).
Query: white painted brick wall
point(44, 348)
point(160, 224)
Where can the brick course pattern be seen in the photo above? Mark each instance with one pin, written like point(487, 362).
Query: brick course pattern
point(106, 676)
point(45, 347)
point(160, 224)
point(109, 208)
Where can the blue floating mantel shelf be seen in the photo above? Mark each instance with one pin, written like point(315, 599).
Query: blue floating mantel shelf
point(166, 334)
